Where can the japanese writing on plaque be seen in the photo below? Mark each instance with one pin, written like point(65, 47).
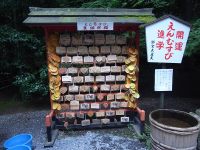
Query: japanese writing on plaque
point(166, 41)
point(170, 43)
point(163, 79)
point(94, 26)
point(152, 49)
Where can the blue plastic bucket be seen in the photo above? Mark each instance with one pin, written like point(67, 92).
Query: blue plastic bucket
point(20, 147)
point(22, 139)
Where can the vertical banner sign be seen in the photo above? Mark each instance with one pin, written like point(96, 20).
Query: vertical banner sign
point(166, 41)
point(163, 79)
point(89, 26)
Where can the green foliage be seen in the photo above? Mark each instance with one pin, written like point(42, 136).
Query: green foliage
point(140, 3)
point(96, 4)
point(118, 4)
point(132, 35)
point(143, 52)
point(59, 138)
point(23, 54)
point(16, 48)
point(106, 4)
point(33, 83)
point(193, 40)
point(145, 136)
point(70, 131)
point(70, 4)
point(162, 3)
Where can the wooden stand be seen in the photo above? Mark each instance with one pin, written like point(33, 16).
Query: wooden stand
point(53, 123)
point(65, 20)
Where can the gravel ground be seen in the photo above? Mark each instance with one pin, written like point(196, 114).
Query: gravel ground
point(18, 121)
point(30, 122)
point(34, 123)
point(97, 141)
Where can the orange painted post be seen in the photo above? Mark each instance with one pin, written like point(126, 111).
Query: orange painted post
point(142, 114)
point(48, 118)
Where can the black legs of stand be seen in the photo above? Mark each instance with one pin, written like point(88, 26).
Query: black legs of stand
point(49, 136)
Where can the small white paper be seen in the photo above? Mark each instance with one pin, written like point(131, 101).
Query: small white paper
point(163, 79)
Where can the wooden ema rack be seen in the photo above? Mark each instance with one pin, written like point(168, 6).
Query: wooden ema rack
point(136, 116)
point(67, 20)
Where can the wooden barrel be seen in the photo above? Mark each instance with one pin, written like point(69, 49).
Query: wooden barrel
point(173, 130)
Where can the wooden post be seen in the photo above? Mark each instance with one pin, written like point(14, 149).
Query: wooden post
point(162, 93)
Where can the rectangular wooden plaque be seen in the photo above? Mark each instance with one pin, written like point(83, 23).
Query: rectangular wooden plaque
point(110, 78)
point(82, 50)
point(88, 60)
point(96, 121)
point(120, 39)
point(94, 105)
point(105, 69)
point(73, 88)
point(124, 50)
point(105, 87)
point(95, 69)
point(105, 49)
point(124, 104)
point(93, 50)
point(115, 104)
point(115, 49)
point(124, 119)
point(85, 122)
point(119, 112)
point(74, 103)
point(66, 60)
point(65, 39)
point(100, 78)
point(77, 60)
point(112, 57)
point(110, 39)
point(89, 97)
point(66, 79)
point(61, 50)
point(72, 50)
point(79, 97)
point(89, 79)
point(85, 106)
point(77, 40)
point(115, 69)
point(110, 113)
point(100, 114)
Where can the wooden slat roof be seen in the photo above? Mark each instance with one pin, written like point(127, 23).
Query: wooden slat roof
point(164, 17)
point(48, 16)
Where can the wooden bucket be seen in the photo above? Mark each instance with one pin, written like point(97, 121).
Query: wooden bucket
point(167, 132)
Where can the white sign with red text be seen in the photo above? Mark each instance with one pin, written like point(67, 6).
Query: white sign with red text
point(163, 79)
point(85, 26)
point(166, 41)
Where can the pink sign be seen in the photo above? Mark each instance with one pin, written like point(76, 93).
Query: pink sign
point(166, 41)
point(85, 26)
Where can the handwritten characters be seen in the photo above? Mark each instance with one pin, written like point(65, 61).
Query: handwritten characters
point(170, 43)
point(95, 26)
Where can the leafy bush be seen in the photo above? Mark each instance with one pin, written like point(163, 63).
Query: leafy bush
point(23, 55)
point(33, 83)
point(193, 40)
